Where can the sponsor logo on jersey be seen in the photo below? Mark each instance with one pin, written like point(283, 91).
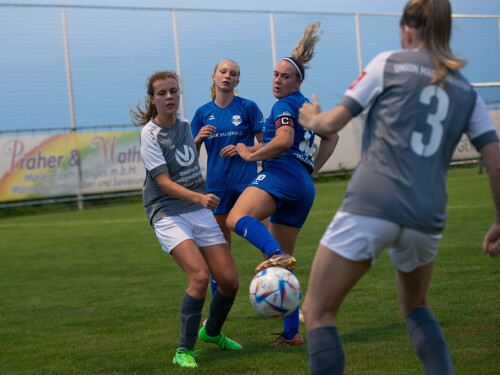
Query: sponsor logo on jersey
point(212, 117)
point(236, 120)
point(357, 80)
point(185, 158)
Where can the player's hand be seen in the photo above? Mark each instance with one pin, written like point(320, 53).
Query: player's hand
point(210, 201)
point(243, 151)
point(308, 111)
point(205, 132)
point(229, 151)
point(491, 243)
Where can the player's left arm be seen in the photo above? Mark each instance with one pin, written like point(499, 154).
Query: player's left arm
point(491, 156)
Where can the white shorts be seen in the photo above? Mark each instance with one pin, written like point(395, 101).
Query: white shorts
point(357, 238)
point(199, 226)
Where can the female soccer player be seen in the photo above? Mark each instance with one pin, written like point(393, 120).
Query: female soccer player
point(179, 211)
point(420, 106)
point(284, 188)
point(221, 124)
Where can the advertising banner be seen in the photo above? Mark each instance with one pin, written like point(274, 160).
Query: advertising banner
point(44, 166)
point(40, 166)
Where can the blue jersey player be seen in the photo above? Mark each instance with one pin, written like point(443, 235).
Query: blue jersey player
point(420, 106)
point(220, 125)
point(284, 189)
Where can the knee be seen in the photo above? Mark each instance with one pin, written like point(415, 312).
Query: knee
point(231, 222)
point(199, 280)
point(229, 286)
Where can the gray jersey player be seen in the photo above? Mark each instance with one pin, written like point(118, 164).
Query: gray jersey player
point(180, 212)
point(420, 105)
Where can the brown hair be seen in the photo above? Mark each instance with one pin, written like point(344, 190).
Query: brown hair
point(142, 117)
point(432, 19)
point(304, 51)
point(212, 88)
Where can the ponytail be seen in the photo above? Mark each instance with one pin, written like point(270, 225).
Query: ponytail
point(432, 18)
point(304, 51)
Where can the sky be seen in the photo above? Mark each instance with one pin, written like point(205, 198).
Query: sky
point(109, 43)
point(475, 7)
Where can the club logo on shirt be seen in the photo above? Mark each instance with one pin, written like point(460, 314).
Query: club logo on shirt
point(185, 158)
point(236, 120)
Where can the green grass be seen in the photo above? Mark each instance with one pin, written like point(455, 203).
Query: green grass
point(91, 292)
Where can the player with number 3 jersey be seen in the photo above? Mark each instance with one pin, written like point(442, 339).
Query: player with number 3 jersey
point(420, 105)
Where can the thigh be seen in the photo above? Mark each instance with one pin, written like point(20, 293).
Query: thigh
point(285, 236)
point(190, 259)
point(221, 221)
point(332, 277)
point(252, 202)
point(222, 268)
point(412, 287)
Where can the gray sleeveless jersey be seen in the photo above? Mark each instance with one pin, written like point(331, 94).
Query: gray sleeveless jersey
point(169, 150)
point(412, 130)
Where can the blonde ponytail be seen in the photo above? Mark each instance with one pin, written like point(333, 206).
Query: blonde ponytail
point(433, 20)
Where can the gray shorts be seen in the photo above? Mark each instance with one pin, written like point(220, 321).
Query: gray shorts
point(199, 226)
point(357, 238)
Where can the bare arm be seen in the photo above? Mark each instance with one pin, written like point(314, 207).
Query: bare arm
point(205, 131)
point(326, 148)
point(491, 156)
point(259, 143)
point(173, 189)
point(282, 141)
point(323, 123)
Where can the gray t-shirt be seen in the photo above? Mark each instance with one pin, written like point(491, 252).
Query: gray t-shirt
point(412, 130)
point(169, 150)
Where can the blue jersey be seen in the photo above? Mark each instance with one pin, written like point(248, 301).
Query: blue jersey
point(287, 109)
point(236, 123)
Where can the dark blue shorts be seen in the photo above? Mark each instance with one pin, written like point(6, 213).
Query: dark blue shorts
point(288, 181)
point(227, 200)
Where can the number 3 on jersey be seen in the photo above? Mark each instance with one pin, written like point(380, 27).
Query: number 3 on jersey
point(434, 120)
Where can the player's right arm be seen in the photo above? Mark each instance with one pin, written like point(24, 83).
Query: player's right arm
point(175, 190)
point(200, 131)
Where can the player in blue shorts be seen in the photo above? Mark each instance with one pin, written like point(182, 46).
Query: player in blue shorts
point(178, 208)
point(284, 189)
point(421, 105)
point(220, 125)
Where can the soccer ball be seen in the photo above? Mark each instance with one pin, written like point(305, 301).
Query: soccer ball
point(275, 292)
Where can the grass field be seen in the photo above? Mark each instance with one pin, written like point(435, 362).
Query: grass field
point(91, 292)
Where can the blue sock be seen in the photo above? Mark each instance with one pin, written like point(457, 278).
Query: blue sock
point(291, 323)
point(257, 234)
point(428, 341)
point(213, 285)
point(326, 355)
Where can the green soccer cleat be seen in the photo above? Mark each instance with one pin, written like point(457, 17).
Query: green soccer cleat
point(220, 339)
point(185, 358)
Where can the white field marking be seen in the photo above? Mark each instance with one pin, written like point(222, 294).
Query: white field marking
point(72, 222)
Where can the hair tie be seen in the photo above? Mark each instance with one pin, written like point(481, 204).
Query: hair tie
point(295, 65)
